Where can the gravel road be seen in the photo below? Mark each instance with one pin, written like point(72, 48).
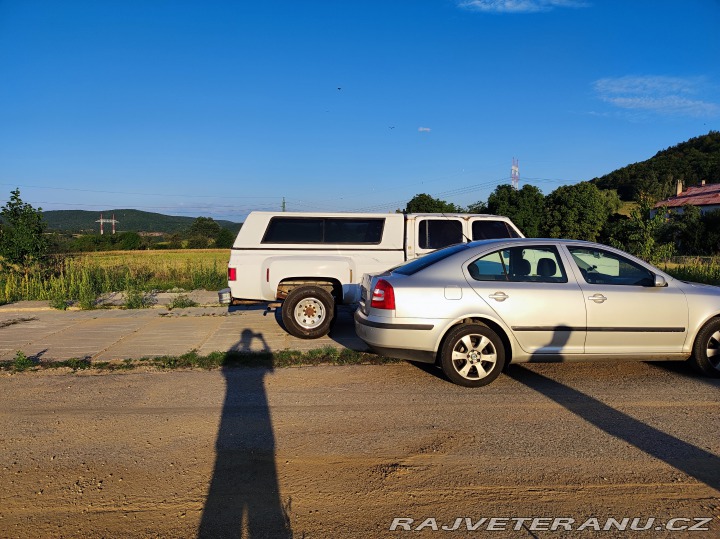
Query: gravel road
point(326, 452)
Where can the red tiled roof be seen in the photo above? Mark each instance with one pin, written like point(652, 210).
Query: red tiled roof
point(696, 196)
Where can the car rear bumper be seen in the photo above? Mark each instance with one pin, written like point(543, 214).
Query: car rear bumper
point(399, 338)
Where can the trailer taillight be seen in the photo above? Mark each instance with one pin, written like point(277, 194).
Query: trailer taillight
point(232, 274)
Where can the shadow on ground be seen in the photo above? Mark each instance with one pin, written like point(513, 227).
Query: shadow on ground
point(244, 496)
point(693, 461)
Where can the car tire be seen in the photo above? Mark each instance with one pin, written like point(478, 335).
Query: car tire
point(308, 312)
point(706, 351)
point(472, 355)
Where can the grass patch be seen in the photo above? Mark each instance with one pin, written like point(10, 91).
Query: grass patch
point(181, 301)
point(326, 355)
point(74, 364)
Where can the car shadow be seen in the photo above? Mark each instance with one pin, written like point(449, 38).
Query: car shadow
point(695, 462)
point(684, 369)
point(243, 499)
point(689, 459)
point(683, 456)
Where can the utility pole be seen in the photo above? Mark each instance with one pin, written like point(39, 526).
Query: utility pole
point(103, 221)
point(515, 173)
point(283, 205)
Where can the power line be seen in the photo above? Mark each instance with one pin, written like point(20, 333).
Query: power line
point(138, 194)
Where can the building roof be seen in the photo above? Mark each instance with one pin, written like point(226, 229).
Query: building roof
point(704, 195)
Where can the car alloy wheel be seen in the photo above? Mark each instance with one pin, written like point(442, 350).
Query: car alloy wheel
point(472, 355)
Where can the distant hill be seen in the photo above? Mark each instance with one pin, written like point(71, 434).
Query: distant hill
point(78, 221)
point(691, 161)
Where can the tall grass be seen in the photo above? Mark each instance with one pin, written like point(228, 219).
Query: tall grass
point(84, 278)
point(703, 270)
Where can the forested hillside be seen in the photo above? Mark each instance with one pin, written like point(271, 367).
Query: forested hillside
point(81, 221)
point(691, 161)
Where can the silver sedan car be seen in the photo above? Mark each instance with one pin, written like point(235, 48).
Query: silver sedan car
point(475, 307)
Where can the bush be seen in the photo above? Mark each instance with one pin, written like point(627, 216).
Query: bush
point(137, 299)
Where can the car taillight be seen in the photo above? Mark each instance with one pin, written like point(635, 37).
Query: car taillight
point(232, 274)
point(383, 296)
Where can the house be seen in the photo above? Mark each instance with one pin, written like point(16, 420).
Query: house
point(705, 197)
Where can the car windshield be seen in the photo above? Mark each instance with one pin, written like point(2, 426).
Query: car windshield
point(429, 259)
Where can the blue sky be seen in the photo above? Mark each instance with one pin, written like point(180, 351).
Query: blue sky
point(217, 108)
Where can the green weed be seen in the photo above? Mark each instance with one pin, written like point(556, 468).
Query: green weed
point(181, 301)
point(22, 362)
point(137, 299)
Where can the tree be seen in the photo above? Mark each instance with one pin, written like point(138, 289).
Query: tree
point(202, 232)
point(641, 234)
point(575, 211)
point(22, 228)
point(478, 207)
point(424, 203)
point(206, 227)
point(523, 206)
point(130, 241)
point(224, 239)
point(711, 222)
point(687, 231)
point(198, 242)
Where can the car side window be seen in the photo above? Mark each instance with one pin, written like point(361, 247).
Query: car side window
point(603, 267)
point(488, 268)
point(536, 264)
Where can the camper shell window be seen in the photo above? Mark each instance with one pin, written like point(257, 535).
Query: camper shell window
point(490, 230)
point(322, 230)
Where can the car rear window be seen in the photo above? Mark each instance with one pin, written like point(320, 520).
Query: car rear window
point(428, 260)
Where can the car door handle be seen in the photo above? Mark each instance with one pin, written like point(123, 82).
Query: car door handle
point(597, 298)
point(499, 296)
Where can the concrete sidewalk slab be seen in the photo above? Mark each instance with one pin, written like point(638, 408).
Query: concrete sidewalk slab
point(116, 334)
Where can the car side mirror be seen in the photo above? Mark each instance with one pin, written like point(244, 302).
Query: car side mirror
point(660, 281)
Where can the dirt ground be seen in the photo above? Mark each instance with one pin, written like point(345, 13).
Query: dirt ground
point(325, 452)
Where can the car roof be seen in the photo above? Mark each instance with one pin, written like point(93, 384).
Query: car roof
point(536, 241)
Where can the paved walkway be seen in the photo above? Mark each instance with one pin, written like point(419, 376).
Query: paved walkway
point(111, 334)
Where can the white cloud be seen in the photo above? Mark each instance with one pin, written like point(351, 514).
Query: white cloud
point(424, 129)
point(519, 6)
point(657, 94)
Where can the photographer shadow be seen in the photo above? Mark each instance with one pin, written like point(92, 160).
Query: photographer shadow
point(244, 495)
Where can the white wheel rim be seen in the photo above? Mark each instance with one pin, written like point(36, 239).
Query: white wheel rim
point(309, 313)
point(474, 356)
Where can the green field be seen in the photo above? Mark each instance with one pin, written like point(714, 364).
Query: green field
point(83, 278)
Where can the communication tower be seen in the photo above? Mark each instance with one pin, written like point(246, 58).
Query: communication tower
point(515, 173)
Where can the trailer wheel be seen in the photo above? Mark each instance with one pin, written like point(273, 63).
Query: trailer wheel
point(308, 312)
